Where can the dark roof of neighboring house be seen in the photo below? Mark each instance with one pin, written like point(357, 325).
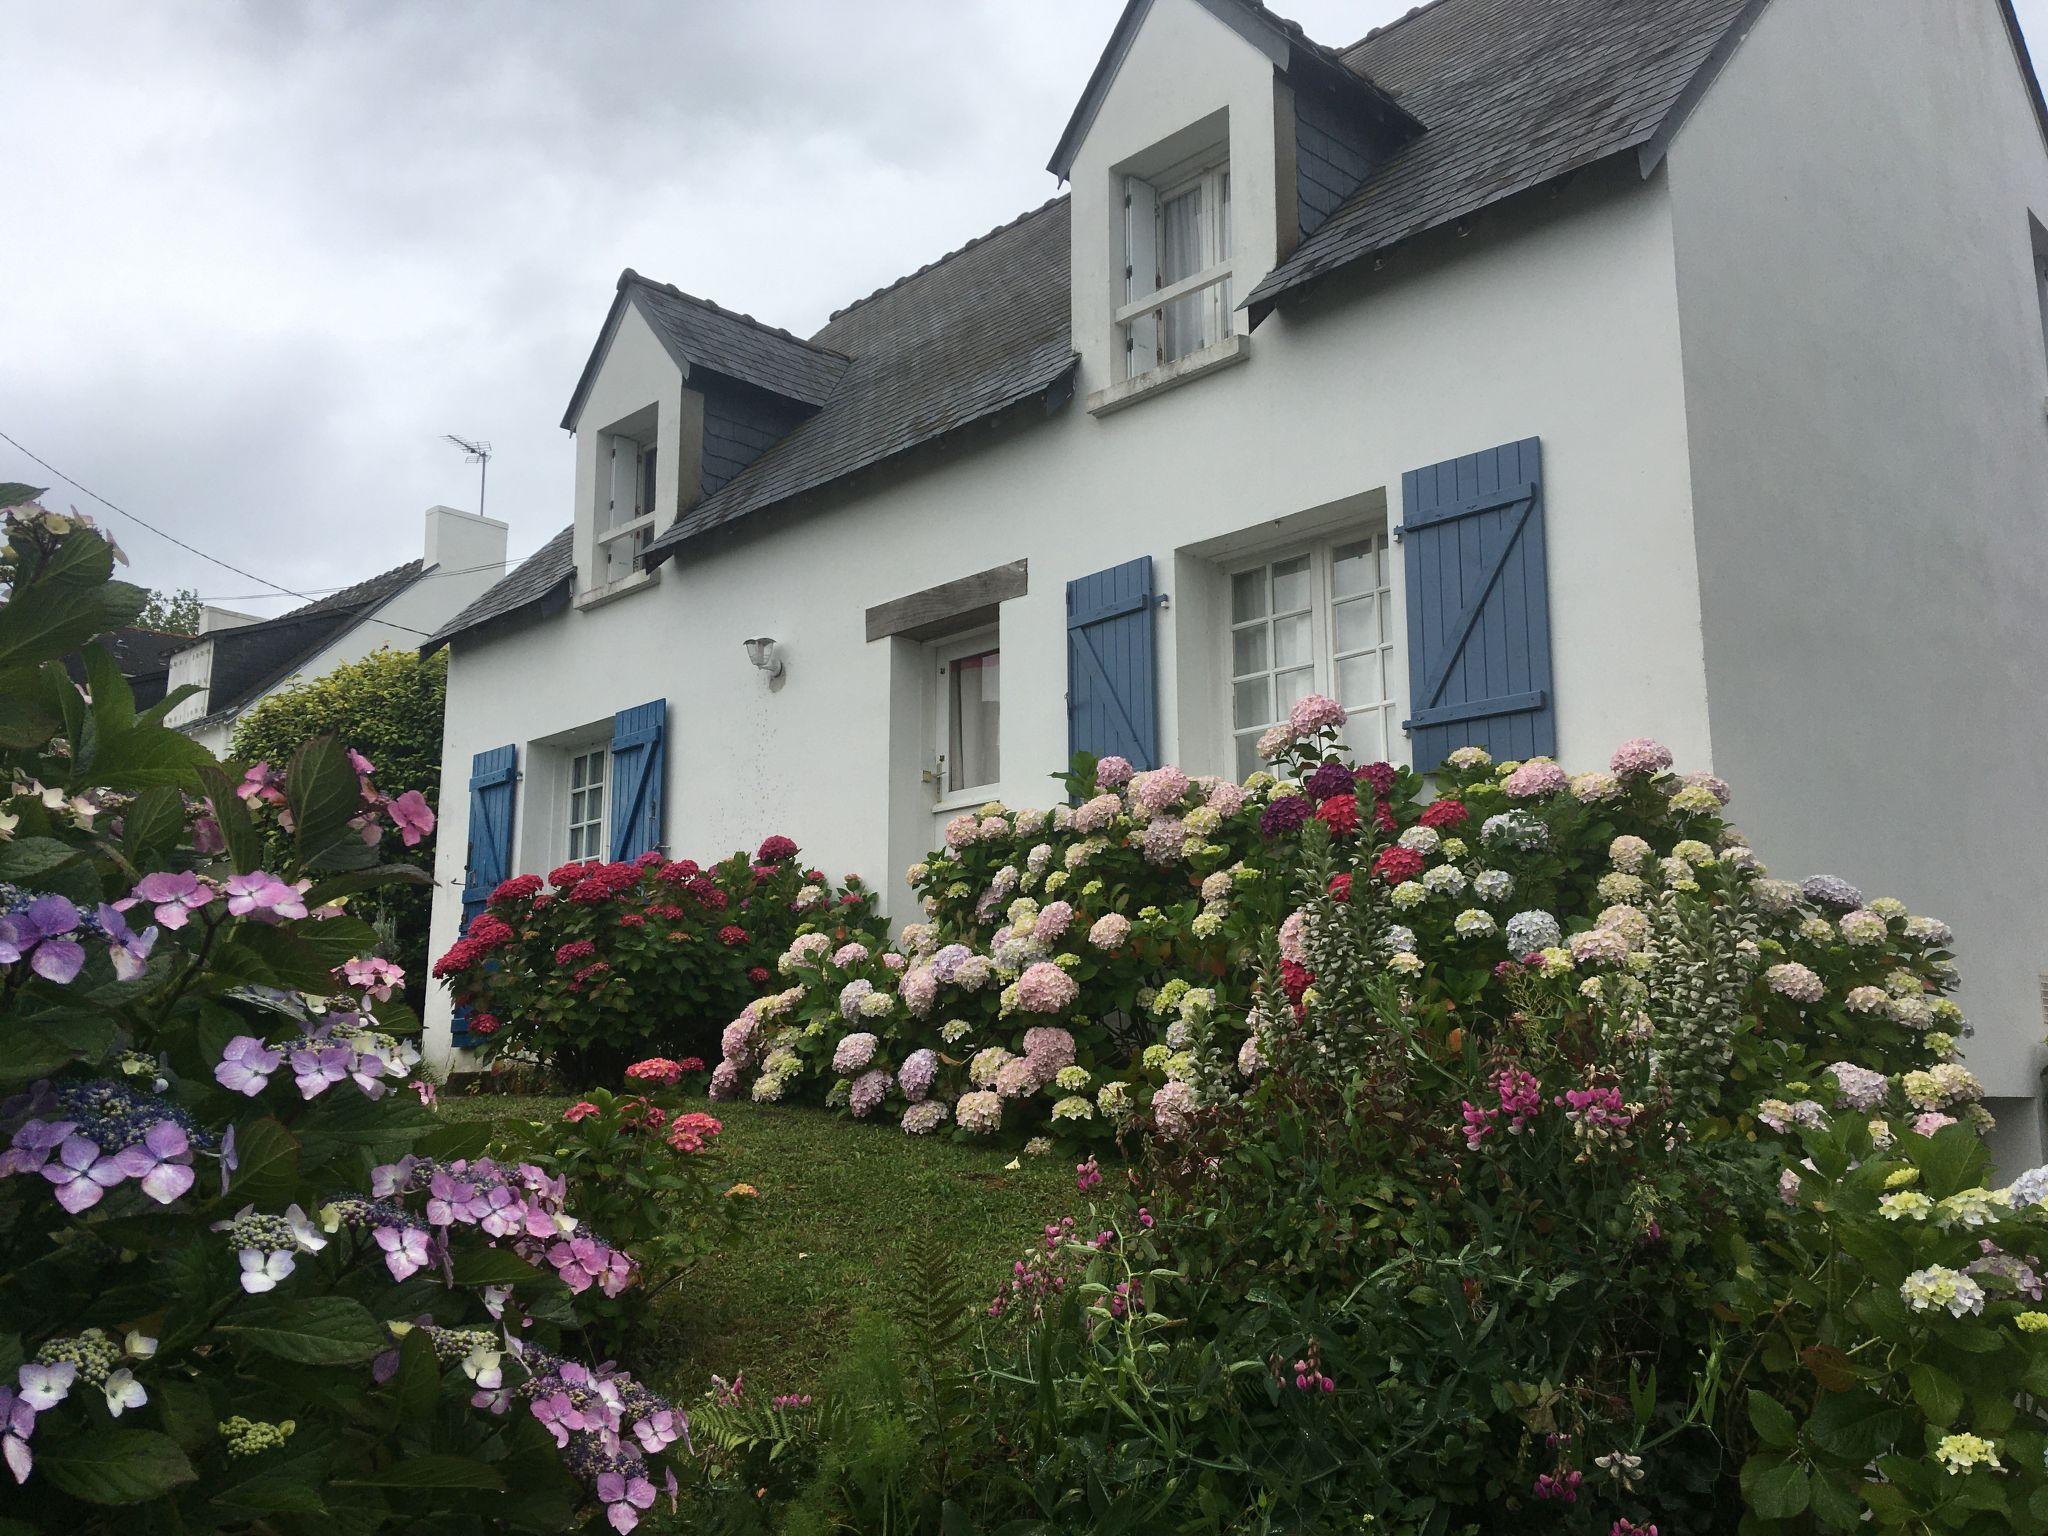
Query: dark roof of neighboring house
point(541, 574)
point(144, 657)
point(700, 334)
point(250, 660)
point(972, 334)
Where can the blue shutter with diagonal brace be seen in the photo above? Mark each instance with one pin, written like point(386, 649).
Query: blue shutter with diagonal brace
point(1111, 706)
point(493, 778)
point(1478, 606)
point(639, 763)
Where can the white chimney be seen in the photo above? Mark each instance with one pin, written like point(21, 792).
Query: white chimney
point(212, 619)
point(464, 541)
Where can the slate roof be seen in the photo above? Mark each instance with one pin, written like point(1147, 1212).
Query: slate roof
point(1513, 94)
point(251, 660)
point(700, 334)
point(540, 574)
point(968, 336)
point(144, 657)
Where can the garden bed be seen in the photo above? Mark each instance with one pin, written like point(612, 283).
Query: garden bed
point(840, 1206)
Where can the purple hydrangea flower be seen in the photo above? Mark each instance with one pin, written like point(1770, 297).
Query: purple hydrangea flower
point(1329, 779)
point(81, 1175)
point(1287, 814)
point(39, 933)
point(161, 1162)
point(127, 949)
point(1831, 891)
point(264, 898)
point(245, 1066)
point(175, 894)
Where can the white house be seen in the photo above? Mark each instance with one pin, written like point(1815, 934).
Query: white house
point(1538, 373)
point(238, 660)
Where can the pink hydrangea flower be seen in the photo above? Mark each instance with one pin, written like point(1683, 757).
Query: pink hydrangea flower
point(1045, 988)
point(264, 898)
point(1112, 773)
point(1640, 756)
point(1535, 779)
point(1159, 790)
point(175, 895)
point(413, 817)
point(1315, 712)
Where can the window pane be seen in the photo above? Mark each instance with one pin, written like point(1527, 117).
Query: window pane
point(1292, 641)
point(1365, 733)
point(1359, 681)
point(1248, 756)
point(1290, 584)
point(1352, 569)
point(1252, 703)
point(1290, 686)
point(1358, 624)
point(974, 712)
point(1248, 595)
point(1248, 651)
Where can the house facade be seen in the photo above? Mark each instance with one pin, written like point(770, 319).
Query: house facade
point(238, 660)
point(1534, 373)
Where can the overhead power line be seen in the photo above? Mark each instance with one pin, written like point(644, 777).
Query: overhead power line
point(276, 588)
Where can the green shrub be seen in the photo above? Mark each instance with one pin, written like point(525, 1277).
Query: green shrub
point(250, 1282)
point(602, 964)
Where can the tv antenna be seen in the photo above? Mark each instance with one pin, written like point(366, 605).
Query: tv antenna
point(479, 454)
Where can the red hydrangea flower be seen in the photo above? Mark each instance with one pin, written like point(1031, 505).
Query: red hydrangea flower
point(711, 896)
point(1339, 813)
point(655, 1069)
point(582, 1109)
point(574, 951)
point(483, 1024)
point(758, 975)
point(667, 912)
point(1445, 814)
point(518, 888)
point(595, 968)
point(650, 858)
point(490, 932)
point(569, 874)
point(1383, 818)
point(692, 1130)
point(1397, 864)
point(462, 954)
point(692, 1063)
point(1380, 776)
point(678, 873)
point(1340, 887)
point(1296, 978)
point(775, 850)
point(732, 935)
point(815, 876)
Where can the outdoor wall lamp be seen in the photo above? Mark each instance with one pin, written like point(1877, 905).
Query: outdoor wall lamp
point(761, 652)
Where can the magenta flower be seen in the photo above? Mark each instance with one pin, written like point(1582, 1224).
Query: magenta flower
point(264, 898)
point(362, 765)
point(32, 1145)
point(413, 817)
point(405, 1250)
point(175, 894)
point(161, 1162)
point(246, 1065)
point(555, 1413)
point(623, 1499)
point(39, 933)
point(319, 1067)
point(81, 1175)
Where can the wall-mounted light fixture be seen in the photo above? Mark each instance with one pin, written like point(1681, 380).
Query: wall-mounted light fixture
point(761, 652)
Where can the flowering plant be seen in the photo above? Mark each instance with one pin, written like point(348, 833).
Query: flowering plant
point(601, 963)
point(251, 1282)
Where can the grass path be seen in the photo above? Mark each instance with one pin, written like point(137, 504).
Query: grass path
point(840, 1204)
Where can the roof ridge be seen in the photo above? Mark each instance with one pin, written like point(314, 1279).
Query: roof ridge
point(1387, 26)
point(978, 240)
point(631, 276)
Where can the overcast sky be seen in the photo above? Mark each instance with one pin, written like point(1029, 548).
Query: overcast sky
point(259, 256)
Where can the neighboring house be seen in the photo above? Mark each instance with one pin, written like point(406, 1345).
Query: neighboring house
point(236, 661)
point(144, 657)
point(1535, 373)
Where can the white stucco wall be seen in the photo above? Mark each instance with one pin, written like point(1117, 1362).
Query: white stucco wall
point(1865, 376)
point(638, 374)
point(1563, 328)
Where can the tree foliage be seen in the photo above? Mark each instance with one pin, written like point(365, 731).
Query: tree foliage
point(387, 706)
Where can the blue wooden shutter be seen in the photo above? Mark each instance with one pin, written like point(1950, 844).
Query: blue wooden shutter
point(639, 763)
point(493, 780)
point(1478, 606)
point(1111, 706)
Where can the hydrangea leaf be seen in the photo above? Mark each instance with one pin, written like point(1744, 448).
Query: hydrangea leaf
point(309, 1330)
point(115, 1466)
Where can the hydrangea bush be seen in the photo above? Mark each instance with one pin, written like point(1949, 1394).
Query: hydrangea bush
point(250, 1282)
point(1069, 956)
point(600, 964)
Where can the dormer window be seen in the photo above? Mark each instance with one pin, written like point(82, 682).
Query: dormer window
point(626, 495)
point(1177, 263)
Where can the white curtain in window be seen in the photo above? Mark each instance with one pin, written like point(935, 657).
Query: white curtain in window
point(1180, 256)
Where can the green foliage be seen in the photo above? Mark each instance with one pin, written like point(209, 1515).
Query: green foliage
point(171, 613)
point(208, 1075)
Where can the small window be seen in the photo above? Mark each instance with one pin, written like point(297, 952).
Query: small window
point(587, 773)
point(626, 501)
point(970, 714)
point(1313, 620)
point(1177, 273)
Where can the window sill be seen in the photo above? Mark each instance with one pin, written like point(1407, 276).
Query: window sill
point(964, 800)
point(1227, 353)
point(612, 591)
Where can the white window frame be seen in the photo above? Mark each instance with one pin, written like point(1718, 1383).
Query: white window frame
point(944, 654)
point(622, 539)
point(601, 752)
point(1139, 320)
point(1324, 655)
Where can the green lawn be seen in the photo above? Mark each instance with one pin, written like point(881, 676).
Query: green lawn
point(839, 1203)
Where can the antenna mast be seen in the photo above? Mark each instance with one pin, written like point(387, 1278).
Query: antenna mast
point(479, 454)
